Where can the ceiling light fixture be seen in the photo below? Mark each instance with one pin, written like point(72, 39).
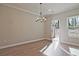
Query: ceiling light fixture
point(41, 18)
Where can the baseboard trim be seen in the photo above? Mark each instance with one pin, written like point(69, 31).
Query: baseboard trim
point(20, 43)
point(74, 44)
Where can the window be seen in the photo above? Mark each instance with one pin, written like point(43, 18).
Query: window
point(73, 22)
point(57, 24)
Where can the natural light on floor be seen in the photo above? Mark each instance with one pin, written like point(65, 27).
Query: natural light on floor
point(74, 51)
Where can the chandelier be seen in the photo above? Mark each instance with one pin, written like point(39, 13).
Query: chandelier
point(41, 18)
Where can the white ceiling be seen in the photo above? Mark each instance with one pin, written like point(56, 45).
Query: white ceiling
point(48, 8)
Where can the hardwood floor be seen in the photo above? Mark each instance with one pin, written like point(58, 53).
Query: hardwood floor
point(57, 48)
point(52, 48)
point(30, 49)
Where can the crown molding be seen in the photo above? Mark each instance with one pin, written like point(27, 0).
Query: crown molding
point(21, 9)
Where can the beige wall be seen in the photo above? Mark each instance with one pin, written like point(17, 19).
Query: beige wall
point(17, 26)
point(47, 27)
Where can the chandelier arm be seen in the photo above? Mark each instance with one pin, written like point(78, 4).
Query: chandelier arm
point(41, 15)
point(41, 18)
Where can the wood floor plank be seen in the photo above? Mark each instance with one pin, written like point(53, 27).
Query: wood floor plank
point(30, 49)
